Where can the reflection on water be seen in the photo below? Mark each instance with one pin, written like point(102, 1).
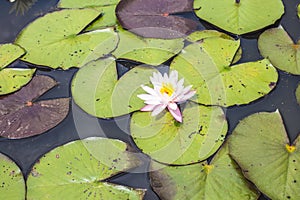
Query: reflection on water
point(21, 6)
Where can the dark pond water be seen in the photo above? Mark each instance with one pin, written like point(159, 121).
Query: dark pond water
point(26, 151)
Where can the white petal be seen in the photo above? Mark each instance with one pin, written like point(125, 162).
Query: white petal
point(158, 109)
point(172, 106)
point(176, 114)
point(186, 96)
point(148, 108)
point(147, 97)
point(154, 102)
point(173, 76)
point(149, 90)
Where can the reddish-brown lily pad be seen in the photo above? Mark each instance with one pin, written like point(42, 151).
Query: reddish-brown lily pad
point(155, 18)
point(22, 116)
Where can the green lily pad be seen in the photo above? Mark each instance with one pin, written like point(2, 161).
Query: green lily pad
point(78, 170)
point(96, 89)
point(107, 9)
point(12, 79)
point(207, 65)
point(61, 42)
point(276, 45)
point(220, 179)
point(150, 51)
point(9, 53)
point(261, 147)
point(298, 10)
point(298, 94)
point(239, 16)
point(199, 136)
point(12, 185)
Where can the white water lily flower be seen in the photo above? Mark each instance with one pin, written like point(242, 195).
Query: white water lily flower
point(167, 92)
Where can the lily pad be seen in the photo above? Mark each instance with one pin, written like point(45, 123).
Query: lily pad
point(107, 9)
point(9, 53)
point(12, 185)
point(219, 179)
point(276, 45)
point(151, 51)
point(79, 169)
point(155, 18)
point(299, 10)
point(261, 147)
point(96, 89)
point(22, 116)
point(207, 65)
point(164, 139)
point(12, 79)
point(61, 42)
point(239, 16)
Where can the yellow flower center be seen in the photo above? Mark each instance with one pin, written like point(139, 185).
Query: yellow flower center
point(289, 148)
point(167, 89)
point(208, 168)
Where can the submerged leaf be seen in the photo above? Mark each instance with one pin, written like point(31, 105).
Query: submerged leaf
point(9, 53)
point(151, 51)
point(79, 169)
point(261, 147)
point(155, 19)
point(298, 94)
point(22, 116)
point(61, 42)
point(12, 184)
point(276, 45)
point(219, 179)
point(96, 89)
point(206, 65)
point(239, 16)
point(164, 139)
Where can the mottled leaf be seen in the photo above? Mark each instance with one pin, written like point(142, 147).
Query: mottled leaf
point(219, 179)
point(61, 42)
point(239, 16)
point(155, 19)
point(9, 53)
point(12, 185)
point(150, 51)
point(12, 79)
point(261, 147)
point(96, 89)
point(207, 65)
point(276, 45)
point(164, 139)
point(22, 116)
point(79, 169)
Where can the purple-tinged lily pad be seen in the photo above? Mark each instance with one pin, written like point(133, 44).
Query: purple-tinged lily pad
point(154, 18)
point(22, 116)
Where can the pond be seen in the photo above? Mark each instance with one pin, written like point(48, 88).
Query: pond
point(79, 125)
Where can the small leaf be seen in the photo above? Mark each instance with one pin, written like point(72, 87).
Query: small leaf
point(206, 65)
point(261, 147)
point(150, 51)
point(97, 91)
point(12, 185)
point(299, 10)
point(239, 17)
point(199, 136)
point(12, 79)
point(9, 53)
point(22, 116)
point(220, 179)
point(155, 19)
point(276, 45)
point(79, 169)
point(60, 42)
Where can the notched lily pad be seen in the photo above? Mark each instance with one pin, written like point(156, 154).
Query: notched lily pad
point(96, 89)
point(164, 139)
point(151, 51)
point(261, 147)
point(239, 16)
point(276, 45)
point(12, 184)
point(207, 65)
point(9, 53)
point(219, 179)
point(155, 18)
point(22, 116)
point(61, 41)
point(79, 169)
